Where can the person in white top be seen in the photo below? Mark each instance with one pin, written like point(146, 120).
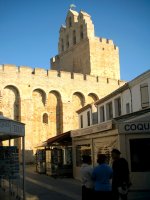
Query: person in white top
point(86, 178)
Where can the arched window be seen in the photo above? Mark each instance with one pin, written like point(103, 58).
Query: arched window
point(70, 22)
point(74, 37)
point(62, 44)
point(45, 118)
point(67, 41)
point(81, 32)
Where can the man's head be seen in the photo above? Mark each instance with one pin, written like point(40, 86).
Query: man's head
point(101, 158)
point(86, 159)
point(115, 154)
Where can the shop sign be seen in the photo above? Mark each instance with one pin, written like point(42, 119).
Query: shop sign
point(134, 127)
point(92, 129)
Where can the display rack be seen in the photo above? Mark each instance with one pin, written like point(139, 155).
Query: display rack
point(12, 177)
point(40, 161)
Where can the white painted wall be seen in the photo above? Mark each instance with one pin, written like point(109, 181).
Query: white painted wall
point(132, 95)
point(105, 103)
point(136, 95)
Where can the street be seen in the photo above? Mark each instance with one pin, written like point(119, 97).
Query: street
point(43, 187)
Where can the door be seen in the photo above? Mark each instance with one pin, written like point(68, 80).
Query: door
point(138, 153)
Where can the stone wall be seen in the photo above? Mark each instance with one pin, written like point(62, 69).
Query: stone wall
point(29, 94)
point(86, 69)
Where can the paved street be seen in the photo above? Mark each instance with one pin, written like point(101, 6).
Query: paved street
point(43, 187)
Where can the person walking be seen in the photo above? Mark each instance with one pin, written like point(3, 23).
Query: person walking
point(101, 176)
point(86, 178)
point(120, 180)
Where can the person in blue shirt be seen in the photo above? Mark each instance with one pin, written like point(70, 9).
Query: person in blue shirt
point(101, 176)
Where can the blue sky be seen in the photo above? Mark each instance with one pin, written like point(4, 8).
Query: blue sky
point(29, 30)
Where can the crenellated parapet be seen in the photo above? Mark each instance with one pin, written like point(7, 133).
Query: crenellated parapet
point(108, 42)
point(23, 71)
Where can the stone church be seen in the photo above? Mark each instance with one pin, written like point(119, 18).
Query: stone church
point(85, 70)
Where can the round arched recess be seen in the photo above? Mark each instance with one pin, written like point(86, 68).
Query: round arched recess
point(39, 95)
point(36, 111)
point(56, 93)
point(55, 110)
point(11, 106)
point(11, 102)
point(78, 101)
point(80, 98)
point(12, 87)
point(92, 97)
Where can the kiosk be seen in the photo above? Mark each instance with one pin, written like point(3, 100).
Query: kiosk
point(56, 157)
point(12, 179)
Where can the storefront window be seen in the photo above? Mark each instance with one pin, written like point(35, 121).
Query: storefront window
point(81, 121)
point(57, 156)
point(117, 103)
point(102, 114)
point(144, 95)
point(140, 149)
point(109, 110)
point(88, 118)
point(81, 150)
point(68, 155)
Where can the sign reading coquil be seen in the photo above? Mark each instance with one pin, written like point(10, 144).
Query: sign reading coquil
point(134, 127)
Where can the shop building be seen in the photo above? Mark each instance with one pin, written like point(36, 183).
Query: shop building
point(123, 123)
point(131, 97)
point(54, 156)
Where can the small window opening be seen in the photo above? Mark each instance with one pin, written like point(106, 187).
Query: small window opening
point(88, 118)
point(67, 41)
point(74, 37)
point(70, 22)
point(45, 118)
point(81, 32)
point(62, 45)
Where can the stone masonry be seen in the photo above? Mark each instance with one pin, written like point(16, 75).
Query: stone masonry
point(47, 100)
point(81, 51)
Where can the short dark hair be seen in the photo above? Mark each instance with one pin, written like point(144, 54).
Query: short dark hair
point(116, 151)
point(86, 159)
point(101, 158)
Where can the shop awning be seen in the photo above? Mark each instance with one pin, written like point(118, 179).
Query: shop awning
point(64, 138)
point(61, 139)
